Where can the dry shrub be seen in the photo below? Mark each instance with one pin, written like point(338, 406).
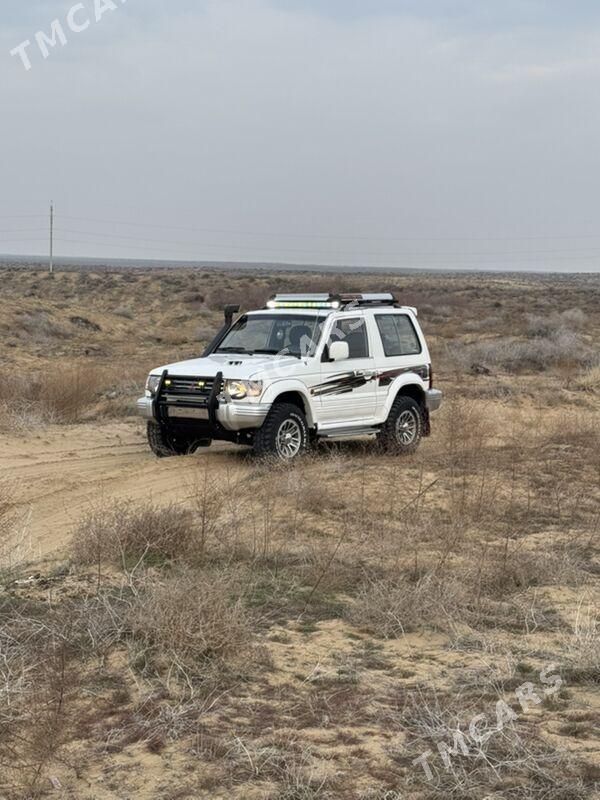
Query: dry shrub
point(510, 569)
point(511, 760)
point(15, 544)
point(246, 294)
point(548, 325)
point(7, 522)
point(574, 429)
point(390, 608)
point(582, 661)
point(39, 676)
point(292, 766)
point(589, 381)
point(40, 327)
point(465, 430)
point(563, 348)
point(59, 394)
point(191, 627)
point(125, 533)
point(204, 334)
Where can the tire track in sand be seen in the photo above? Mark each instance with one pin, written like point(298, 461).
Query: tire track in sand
point(60, 475)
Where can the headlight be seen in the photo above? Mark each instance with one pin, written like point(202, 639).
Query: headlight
point(152, 384)
point(238, 390)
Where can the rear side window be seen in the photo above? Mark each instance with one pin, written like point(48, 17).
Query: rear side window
point(354, 332)
point(398, 335)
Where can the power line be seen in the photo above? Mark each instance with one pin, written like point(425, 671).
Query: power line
point(167, 246)
point(454, 259)
point(23, 230)
point(272, 234)
point(418, 253)
point(23, 216)
point(29, 239)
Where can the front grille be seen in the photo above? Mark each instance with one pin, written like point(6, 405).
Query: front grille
point(188, 390)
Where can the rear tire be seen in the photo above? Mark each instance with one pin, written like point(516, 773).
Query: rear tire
point(403, 430)
point(284, 434)
point(165, 442)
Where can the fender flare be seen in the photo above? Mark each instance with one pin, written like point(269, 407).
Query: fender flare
point(285, 385)
point(407, 379)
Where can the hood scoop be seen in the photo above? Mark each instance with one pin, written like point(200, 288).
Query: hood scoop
point(234, 363)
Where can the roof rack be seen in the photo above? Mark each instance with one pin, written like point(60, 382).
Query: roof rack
point(369, 299)
point(332, 301)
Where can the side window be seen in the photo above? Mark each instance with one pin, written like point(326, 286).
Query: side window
point(398, 335)
point(354, 332)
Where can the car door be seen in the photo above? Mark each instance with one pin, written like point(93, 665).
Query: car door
point(347, 393)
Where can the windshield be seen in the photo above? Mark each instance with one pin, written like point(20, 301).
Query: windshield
point(273, 334)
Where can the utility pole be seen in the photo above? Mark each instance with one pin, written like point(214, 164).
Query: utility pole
point(51, 238)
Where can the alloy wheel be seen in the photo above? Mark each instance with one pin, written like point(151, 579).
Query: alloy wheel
point(289, 439)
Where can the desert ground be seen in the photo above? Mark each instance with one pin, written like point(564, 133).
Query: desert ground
point(352, 627)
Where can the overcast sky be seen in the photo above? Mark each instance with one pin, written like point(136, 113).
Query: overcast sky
point(358, 132)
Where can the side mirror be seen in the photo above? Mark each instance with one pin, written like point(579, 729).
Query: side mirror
point(339, 351)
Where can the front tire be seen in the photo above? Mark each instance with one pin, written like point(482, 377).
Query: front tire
point(403, 430)
point(165, 442)
point(284, 434)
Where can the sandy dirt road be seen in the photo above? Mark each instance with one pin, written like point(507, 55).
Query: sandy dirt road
point(63, 472)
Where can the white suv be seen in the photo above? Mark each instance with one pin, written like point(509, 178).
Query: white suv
point(303, 368)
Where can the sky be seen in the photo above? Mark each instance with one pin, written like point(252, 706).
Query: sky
point(385, 133)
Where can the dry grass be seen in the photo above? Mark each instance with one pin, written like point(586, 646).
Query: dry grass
point(57, 394)
point(188, 627)
point(39, 675)
point(303, 632)
point(582, 660)
point(15, 544)
point(515, 355)
point(391, 608)
point(124, 534)
point(512, 762)
point(589, 381)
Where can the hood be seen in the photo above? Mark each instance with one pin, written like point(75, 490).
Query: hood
point(240, 367)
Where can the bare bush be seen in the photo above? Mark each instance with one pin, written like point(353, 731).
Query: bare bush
point(15, 544)
point(561, 347)
point(190, 627)
point(41, 327)
point(204, 334)
point(503, 570)
point(124, 532)
point(293, 766)
point(391, 608)
point(510, 760)
point(246, 294)
point(39, 676)
point(59, 394)
point(550, 325)
point(582, 661)
point(589, 381)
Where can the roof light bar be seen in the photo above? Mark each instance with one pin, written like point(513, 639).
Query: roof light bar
point(331, 301)
point(304, 301)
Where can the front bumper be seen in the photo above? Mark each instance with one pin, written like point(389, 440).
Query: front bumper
point(145, 407)
point(232, 415)
point(236, 415)
point(433, 399)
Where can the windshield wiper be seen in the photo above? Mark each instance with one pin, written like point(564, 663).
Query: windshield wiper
point(267, 352)
point(235, 350)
